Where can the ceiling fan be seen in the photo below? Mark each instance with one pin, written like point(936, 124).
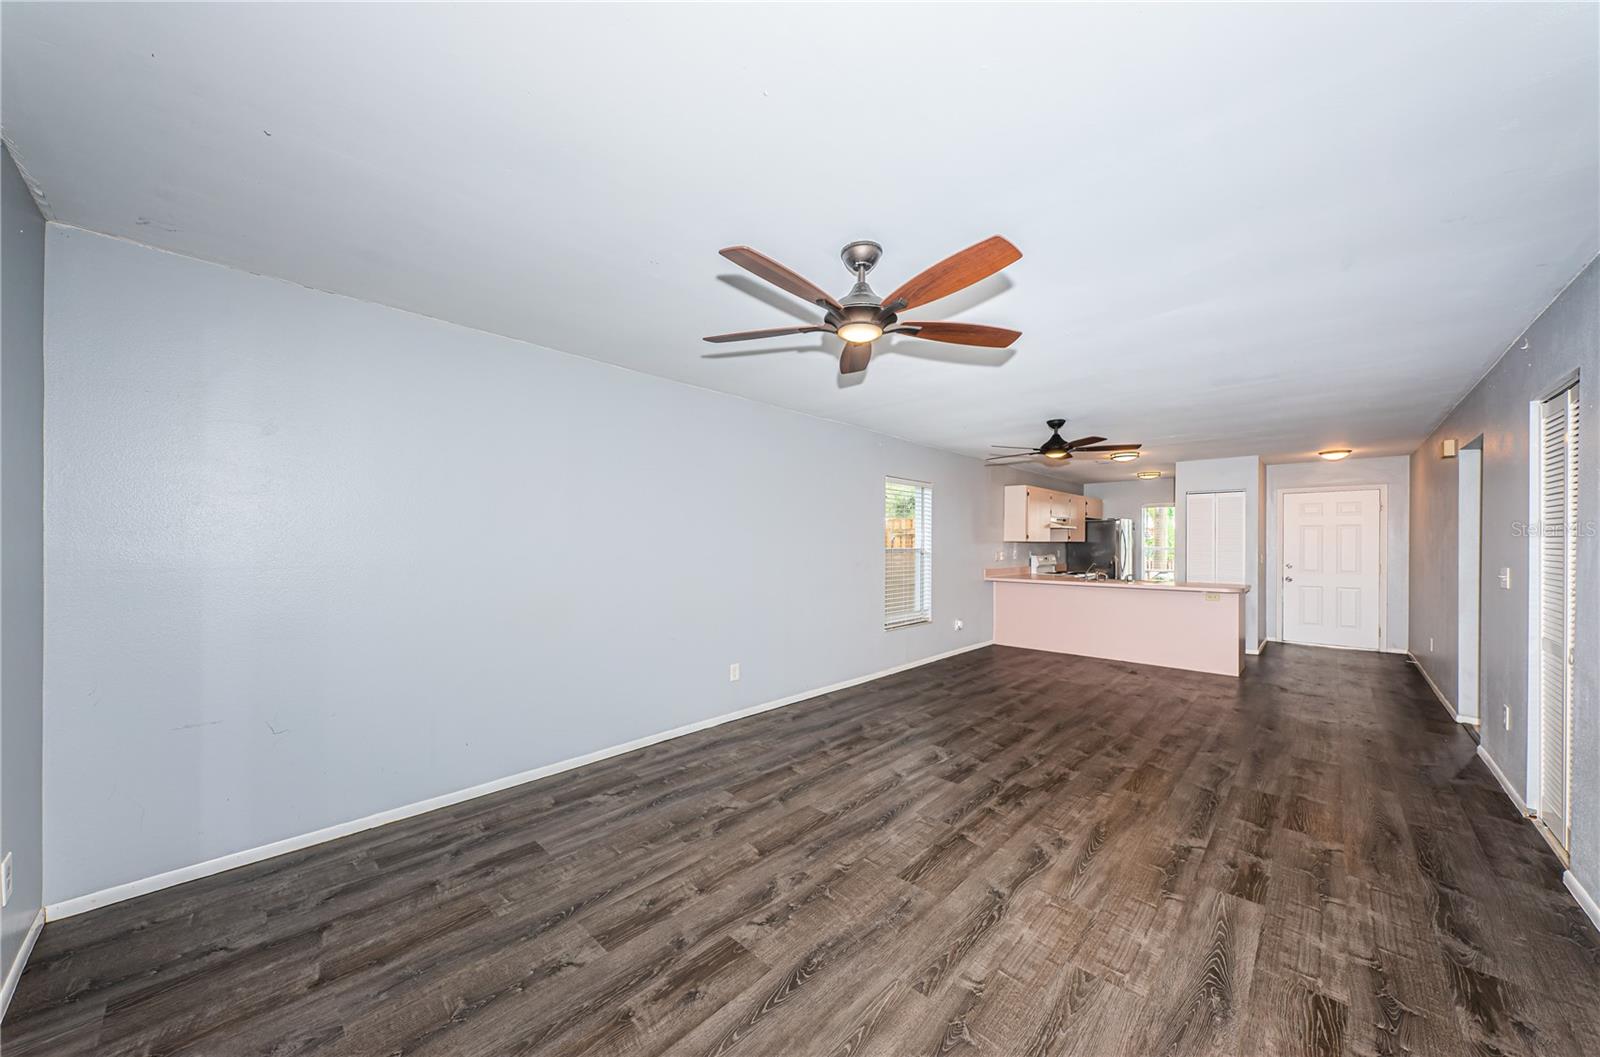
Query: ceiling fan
point(861, 317)
point(1055, 449)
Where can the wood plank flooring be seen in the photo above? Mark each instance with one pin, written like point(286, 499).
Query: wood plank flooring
point(1010, 853)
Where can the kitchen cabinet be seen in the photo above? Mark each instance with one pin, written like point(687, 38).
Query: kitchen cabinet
point(1042, 515)
point(1096, 507)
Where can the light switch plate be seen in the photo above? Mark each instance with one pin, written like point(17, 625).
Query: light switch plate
point(1505, 578)
point(5, 880)
point(733, 673)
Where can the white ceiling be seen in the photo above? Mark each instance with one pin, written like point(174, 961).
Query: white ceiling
point(1252, 229)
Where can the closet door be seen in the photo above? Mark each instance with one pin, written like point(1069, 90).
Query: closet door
point(1200, 537)
point(1558, 535)
point(1230, 539)
point(1214, 538)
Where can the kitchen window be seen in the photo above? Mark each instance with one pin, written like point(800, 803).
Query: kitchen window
point(907, 552)
point(1158, 546)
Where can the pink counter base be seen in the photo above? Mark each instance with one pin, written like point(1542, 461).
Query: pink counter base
point(1193, 630)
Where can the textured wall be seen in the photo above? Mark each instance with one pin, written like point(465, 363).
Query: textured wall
point(311, 559)
point(21, 552)
point(1563, 343)
point(1393, 471)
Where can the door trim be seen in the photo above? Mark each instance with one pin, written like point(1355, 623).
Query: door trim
point(1533, 690)
point(1383, 555)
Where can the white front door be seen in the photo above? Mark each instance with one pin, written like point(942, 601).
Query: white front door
point(1331, 581)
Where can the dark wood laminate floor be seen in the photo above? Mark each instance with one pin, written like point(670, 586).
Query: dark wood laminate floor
point(1008, 853)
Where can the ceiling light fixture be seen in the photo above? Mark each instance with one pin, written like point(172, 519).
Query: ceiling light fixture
point(1123, 456)
point(1148, 475)
point(1335, 454)
point(860, 333)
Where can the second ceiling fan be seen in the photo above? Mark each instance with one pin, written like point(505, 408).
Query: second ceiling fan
point(862, 317)
point(1057, 450)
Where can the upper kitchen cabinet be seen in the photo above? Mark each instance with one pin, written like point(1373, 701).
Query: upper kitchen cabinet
point(1040, 515)
point(1095, 507)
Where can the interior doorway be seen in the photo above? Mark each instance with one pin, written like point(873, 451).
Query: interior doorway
point(1469, 576)
point(1556, 552)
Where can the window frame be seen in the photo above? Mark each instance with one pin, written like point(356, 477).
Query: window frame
point(1171, 548)
point(922, 534)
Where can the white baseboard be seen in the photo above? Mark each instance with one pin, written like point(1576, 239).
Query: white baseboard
point(117, 893)
point(1505, 783)
point(14, 974)
point(1585, 900)
point(1445, 701)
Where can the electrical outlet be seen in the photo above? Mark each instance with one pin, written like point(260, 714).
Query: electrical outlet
point(1000, 554)
point(957, 625)
point(1508, 715)
point(5, 880)
point(733, 673)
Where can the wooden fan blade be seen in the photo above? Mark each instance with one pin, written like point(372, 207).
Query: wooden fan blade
point(956, 272)
point(1081, 441)
point(1014, 447)
point(854, 357)
point(1003, 458)
point(1108, 447)
point(961, 334)
point(759, 264)
point(773, 332)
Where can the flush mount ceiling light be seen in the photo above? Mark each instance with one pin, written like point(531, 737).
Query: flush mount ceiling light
point(1148, 475)
point(1123, 456)
point(1335, 454)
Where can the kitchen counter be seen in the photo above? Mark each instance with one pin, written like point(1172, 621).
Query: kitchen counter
point(1018, 575)
point(1198, 627)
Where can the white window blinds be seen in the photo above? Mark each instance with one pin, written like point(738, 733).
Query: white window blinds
point(907, 552)
point(1214, 538)
point(1558, 538)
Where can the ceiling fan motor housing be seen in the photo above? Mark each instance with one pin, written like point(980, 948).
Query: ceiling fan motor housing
point(861, 257)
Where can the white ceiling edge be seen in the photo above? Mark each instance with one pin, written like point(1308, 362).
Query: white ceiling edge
point(1360, 203)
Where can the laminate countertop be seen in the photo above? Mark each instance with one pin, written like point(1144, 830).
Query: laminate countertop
point(1014, 575)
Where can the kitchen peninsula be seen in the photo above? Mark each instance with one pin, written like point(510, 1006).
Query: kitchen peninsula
point(1198, 627)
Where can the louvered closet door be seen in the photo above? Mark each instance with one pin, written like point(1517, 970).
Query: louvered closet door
point(1558, 532)
point(1214, 538)
point(1200, 537)
point(1230, 539)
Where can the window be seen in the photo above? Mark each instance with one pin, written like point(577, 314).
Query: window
point(907, 553)
point(1158, 545)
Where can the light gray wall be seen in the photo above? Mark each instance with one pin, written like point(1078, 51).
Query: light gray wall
point(1128, 499)
point(1394, 472)
point(1564, 341)
point(312, 559)
point(1246, 474)
point(21, 553)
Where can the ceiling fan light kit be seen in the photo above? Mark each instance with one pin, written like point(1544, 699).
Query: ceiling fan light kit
point(861, 317)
